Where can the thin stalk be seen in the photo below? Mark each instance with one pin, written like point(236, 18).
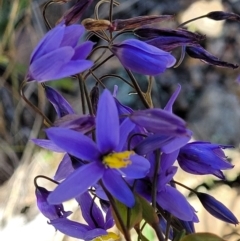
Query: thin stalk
point(124, 229)
point(191, 20)
point(35, 108)
point(98, 80)
point(116, 76)
point(183, 52)
point(168, 227)
point(137, 88)
point(42, 176)
point(97, 66)
point(89, 104)
point(155, 178)
point(188, 188)
point(44, 14)
point(82, 93)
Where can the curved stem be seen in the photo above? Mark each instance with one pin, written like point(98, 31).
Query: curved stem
point(183, 52)
point(98, 80)
point(42, 176)
point(35, 108)
point(137, 88)
point(44, 14)
point(116, 76)
point(191, 20)
point(97, 66)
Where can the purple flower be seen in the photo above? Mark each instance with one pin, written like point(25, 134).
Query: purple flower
point(204, 158)
point(216, 208)
point(105, 159)
point(58, 55)
point(142, 58)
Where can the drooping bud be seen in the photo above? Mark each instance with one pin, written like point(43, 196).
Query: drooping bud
point(202, 158)
point(220, 15)
point(216, 208)
point(75, 13)
point(150, 33)
point(136, 22)
point(168, 39)
point(199, 52)
point(48, 210)
point(96, 24)
point(60, 104)
point(81, 123)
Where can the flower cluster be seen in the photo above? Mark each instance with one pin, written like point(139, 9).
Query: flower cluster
point(118, 163)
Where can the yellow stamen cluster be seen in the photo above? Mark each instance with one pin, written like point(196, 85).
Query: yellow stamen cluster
point(118, 159)
point(108, 237)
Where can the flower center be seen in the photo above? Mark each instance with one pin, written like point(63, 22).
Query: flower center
point(108, 237)
point(118, 159)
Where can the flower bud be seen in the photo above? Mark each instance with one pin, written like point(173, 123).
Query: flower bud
point(199, 52)
point(75, 13)
point(48, 210)
point(216, 208)
point(220, 15)
point(96, 24)
point(131, 23)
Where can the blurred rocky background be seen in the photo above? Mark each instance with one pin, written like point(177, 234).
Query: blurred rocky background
point(209, 102)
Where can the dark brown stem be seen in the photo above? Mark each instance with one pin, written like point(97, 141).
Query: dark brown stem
point(82, 92)
point(137, 88)
point(191, 20)
point(35, 108)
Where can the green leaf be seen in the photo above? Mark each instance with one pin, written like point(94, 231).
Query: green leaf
point(148, 212)
point(180, 235)
point(202, 237)
point(134, 214)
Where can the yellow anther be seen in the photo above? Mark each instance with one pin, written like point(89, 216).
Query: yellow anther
point(108, 237)
point(118, 159)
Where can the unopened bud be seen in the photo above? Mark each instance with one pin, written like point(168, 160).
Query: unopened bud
point(75, 13)
point(220, 15)
point(136, 22)
point(96, 24)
